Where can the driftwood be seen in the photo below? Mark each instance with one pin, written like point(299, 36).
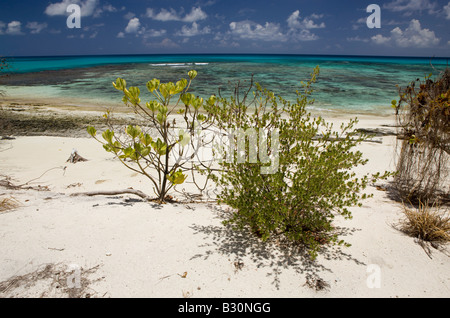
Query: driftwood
point(126, 191)
point(75, 157)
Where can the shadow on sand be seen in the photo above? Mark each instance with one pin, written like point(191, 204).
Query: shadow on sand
point(272, 255)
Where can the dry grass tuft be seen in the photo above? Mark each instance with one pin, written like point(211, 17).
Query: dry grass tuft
point(427, 223)
point(8, 204)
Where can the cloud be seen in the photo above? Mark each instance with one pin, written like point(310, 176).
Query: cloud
point(14, 28)
point(129, 15)
point(152, 33)
point(88, 7)
point(164, 44)
point(165, 15)
point(447, 11)
point(410, 6)
point(357, 39)
point(193, 31)
point(379, 39)
point(196, 14)
point(249, 30)
point(299, 29)
point(133, 26)
point(36, 27)
point(412, 36)
point(106, 8)
point(294, 21)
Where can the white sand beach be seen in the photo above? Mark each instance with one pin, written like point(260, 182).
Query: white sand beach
point(124, 247)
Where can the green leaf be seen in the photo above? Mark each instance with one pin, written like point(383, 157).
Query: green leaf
point(160, 147)
point(92, 131)
point(171, 88)
point(153, 105)
point(133, 131)
point(145, 151)
point(180, 86)
point(212, 100)
point(108, 136)
point(167, 89)
point(153, 85)
point(161, 118)
point(133, 95)
point(184, 138)
point(197, 103)
point(120, 84)
point(146, 139)
point(177, 177)
point(187, 99)
point(201, 117)
point(107, 148)
point(128, 151)
point(192, 74)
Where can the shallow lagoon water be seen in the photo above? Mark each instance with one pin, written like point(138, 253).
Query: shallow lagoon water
point(345, 84)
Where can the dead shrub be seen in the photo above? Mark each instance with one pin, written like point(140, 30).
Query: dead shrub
point(423, 115)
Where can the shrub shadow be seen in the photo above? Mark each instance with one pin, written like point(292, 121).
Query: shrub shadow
point(275, 255)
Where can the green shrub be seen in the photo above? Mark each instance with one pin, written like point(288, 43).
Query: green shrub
point(164, 156)
point(311, 181)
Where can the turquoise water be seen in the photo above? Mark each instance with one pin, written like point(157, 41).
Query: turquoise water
point(346, 83)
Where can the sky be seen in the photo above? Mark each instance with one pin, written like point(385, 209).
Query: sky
point(326, 27)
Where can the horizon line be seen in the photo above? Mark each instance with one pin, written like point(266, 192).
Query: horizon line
point(231, 54)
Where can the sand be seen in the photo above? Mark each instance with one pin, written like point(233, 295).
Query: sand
point(120, 246)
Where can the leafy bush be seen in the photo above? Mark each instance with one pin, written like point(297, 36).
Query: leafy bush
point(310, 178)
point(165, 158)
point(423, 114)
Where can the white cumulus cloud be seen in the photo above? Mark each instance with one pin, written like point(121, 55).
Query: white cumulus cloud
point(165, 15)
point(300, 29)
point(294, 21)
point(133, 26)
point(193, 30)
point(14, 28)
point(410, 6)
point(447, 11)
point(88, 7)
point(249, 30)
point(412, 36)
point(36, 27)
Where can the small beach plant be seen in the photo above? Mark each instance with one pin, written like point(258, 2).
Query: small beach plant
point(4, 66)
point(314, 180)
point(162, 151)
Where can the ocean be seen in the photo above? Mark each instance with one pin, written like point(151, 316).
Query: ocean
point(355, 84)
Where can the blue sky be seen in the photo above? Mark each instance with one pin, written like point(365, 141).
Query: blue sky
point(408, 27)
